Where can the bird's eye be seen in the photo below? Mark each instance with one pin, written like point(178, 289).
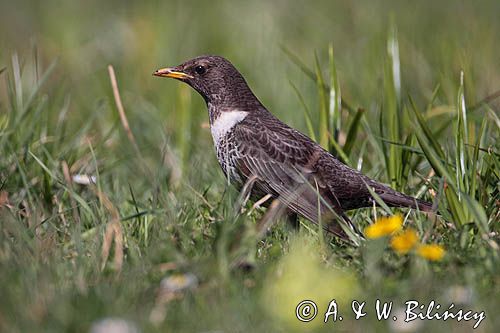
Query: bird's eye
point(200, 70)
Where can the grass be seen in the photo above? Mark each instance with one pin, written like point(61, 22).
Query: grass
point(156, 240)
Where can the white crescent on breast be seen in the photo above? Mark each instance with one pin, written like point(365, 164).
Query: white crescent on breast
point(225, 122)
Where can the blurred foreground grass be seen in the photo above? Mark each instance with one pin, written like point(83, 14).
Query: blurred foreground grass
point(153, 242)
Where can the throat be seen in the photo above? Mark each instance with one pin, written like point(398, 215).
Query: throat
point(224, 123)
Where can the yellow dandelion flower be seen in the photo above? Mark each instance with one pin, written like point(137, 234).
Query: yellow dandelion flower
point(384, 226)
point(402, 243)
point(432, 252)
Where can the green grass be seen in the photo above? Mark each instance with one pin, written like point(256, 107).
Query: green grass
point(406, 92)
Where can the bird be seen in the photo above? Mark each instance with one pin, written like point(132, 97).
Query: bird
point(258, 151)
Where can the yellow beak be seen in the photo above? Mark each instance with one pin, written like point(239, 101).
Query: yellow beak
point(170, 72)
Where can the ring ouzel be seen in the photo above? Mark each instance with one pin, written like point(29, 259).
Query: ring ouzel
point(254, 146)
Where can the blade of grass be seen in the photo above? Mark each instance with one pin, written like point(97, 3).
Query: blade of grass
point(425, 129)
point(339, 152)
point(78, 198)
point(456, 207)
point(121, 111)
point(391, 107)
point(307, 113)
point(39, 84)
point(406, 158)
point(382, 132)
point(475, 157)
point(18, 86)
point(488, 99)
point(379, 200)
point(311, 74)
point(359, 164)
point(480, 218)
point(433, 97)
point(185, 122)
point(297, 62)
point(404, 146)
point(353, 131)
point(335, 103)
point(433, 158)
point(494, 117)
point(460, 140)
point(323, 106)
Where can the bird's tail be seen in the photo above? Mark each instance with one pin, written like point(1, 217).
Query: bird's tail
point(397, 199)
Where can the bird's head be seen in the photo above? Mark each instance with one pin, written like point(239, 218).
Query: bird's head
point(215, 79)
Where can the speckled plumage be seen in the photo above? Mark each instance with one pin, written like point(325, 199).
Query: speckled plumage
point(287, 164)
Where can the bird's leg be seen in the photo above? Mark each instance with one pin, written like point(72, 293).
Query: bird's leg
point(292, 219)
point(336, 228)
point(352, 226)
point(245, 194)
point(261, 201)
point(274, 210)
point(270, 217)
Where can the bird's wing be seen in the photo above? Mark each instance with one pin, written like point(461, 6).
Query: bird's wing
point(350, 187)
point(284, 161)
